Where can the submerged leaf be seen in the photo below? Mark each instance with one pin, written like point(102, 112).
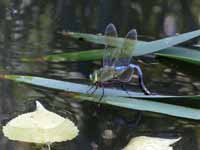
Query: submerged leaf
point(40, 126)
point(87, 55)
point(180, 53)
point(150, 143)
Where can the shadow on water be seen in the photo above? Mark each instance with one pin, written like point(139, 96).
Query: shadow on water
point(28, 28)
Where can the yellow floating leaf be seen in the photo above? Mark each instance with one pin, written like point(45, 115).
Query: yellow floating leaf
point(150, 143)
point(40, 126)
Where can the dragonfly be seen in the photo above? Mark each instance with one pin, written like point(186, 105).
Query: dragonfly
point(117, 66)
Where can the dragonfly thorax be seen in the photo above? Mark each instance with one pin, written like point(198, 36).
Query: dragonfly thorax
point(103, 74)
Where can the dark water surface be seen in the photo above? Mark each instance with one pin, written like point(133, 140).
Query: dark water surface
point(28, 28)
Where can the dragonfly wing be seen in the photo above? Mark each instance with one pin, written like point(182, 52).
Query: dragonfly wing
point(109, 52)
point(126, 52)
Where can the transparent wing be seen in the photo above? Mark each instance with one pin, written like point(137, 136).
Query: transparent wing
point(124, 54)
point(109, 53)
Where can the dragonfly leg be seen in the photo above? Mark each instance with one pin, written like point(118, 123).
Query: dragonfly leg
point(102, 95)
point(134, 123)
point(92, 86)
point(124, 88)
point(141, 80)
point(96, 87)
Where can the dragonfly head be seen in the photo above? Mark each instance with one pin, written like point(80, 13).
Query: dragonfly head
point(94, 76)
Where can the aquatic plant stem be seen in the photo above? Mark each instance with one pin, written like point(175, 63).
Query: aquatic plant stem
point(49, 146)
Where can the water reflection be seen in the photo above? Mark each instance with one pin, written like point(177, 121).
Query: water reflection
point(29, 29)
point(169, 26)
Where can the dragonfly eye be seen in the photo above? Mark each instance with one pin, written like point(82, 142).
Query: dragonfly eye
point(91, 77)
point(95, 77)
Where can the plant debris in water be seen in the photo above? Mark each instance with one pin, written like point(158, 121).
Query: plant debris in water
point(40, 126)
point(150, 143)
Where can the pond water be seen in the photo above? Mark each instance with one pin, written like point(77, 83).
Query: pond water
point(29, 28)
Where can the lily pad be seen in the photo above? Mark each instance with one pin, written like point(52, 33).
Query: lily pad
point(40, 126)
